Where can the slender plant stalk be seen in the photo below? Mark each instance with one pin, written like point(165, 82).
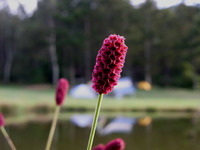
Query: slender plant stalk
point(3, 130)
point(95, 120)
point(53, 127)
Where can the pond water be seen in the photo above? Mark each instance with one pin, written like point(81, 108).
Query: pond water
point(161, 134)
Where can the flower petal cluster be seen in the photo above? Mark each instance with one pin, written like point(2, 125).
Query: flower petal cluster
point(116, 144)
point(61, 90)
point(109, 63)
point(2, 123)
point(99, 147)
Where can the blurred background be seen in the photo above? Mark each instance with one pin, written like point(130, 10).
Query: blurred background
point(55, 39)
point(156, 102)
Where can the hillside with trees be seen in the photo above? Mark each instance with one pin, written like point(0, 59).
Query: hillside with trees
point(61, 39)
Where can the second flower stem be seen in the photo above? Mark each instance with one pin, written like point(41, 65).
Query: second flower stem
point(53, 127)
point(3, 130)
point(95, 120)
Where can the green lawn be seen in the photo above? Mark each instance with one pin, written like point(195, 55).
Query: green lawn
point(21, 98)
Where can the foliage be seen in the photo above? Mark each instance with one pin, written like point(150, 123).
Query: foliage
point(172, 33)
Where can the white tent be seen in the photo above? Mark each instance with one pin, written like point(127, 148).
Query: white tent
point(124, 87)
point(82, 91)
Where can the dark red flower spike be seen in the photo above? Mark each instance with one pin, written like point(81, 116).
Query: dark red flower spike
point(109, 63)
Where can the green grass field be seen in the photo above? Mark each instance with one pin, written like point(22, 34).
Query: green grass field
point(21, 98)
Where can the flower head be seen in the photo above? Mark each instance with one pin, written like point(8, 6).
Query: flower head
point(2, 123)
point(61, 90)
point(109, 63)
point(116, 144)
point(99, 147)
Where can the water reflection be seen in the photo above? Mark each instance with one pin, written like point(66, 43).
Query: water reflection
point(118, 125)
point(160, 134)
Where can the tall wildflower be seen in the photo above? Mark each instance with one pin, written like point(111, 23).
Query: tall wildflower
point(109, 63)
point(61, 90)
point(3, 130)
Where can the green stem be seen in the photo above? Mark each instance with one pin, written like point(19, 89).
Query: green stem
point(3, 130)
point(95, 120)
point(53, 126)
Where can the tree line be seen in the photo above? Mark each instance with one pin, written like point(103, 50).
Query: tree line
point(61, 39)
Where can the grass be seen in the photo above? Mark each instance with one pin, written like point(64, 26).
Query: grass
point(20, 99)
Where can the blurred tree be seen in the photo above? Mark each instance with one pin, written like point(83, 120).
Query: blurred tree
point(9, 36)
point(163, 43)
point(52, 41)
point(192, 51)
point(147, 13)
point(185, 50)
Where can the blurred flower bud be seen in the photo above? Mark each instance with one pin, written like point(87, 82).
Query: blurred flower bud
point(116, 144)
point(2, 123)
point(61, 90)
point(99, 147)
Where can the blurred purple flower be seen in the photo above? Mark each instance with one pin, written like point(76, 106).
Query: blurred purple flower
point(2, 123)
point(116, 144)
point(99, 147)
point(61, 90)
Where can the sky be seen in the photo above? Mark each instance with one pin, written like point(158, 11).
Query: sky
point(31, 5)
point(168, 3)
